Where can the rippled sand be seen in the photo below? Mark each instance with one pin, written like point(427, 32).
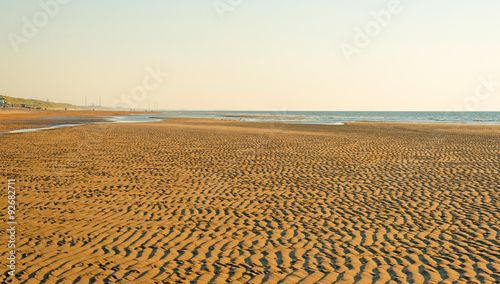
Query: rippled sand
point(221, 201)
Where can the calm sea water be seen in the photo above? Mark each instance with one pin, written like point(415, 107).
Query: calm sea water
point(340, 117)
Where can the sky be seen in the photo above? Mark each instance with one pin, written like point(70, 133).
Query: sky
point(322, 55)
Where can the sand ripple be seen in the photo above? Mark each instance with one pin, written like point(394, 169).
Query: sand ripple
point(217, 202)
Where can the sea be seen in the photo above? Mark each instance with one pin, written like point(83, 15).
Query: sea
point(341, 117)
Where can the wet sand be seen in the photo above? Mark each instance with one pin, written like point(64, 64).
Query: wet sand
point(15, 119)
point(213, 201)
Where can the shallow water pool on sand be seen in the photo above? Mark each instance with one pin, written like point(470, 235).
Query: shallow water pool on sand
point(110, 119)
point(40, 128)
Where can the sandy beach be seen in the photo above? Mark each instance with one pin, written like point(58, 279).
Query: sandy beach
point(213, 201)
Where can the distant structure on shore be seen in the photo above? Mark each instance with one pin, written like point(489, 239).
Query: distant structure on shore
point(3, 101)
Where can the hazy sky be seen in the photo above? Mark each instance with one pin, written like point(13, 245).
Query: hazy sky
point(260, 55)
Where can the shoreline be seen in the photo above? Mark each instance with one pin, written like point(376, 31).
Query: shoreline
point(13, 120)
point(34, 124)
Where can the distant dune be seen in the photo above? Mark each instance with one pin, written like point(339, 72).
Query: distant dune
point(32, 103)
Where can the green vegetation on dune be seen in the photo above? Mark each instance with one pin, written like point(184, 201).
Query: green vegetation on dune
point(43, 104)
